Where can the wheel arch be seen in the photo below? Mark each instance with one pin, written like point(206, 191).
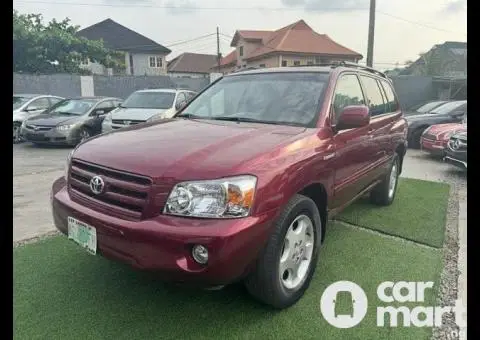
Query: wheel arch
point(318, 194)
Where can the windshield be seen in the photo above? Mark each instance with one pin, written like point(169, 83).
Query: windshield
point(149, 100)
point(429, 106)
point(76, 107)
point(448, 107)
point(19, 101)
point(275, 98)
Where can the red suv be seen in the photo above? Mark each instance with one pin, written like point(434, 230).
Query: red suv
point(240, 184)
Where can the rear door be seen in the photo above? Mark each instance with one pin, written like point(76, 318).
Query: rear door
point(352, 147)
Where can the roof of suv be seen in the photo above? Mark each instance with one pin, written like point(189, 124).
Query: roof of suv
point(326, 68)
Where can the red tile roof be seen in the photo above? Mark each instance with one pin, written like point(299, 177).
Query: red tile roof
point(229, 59)
point(192, 63)
point(295, 38)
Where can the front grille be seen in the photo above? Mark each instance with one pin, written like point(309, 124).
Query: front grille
point(127, 122)
point(38, 127)
point(457, 144)
point(125, 195)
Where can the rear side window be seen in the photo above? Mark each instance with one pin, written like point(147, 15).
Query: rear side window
point(374, 96)
point(392, 103)
point(347, 92)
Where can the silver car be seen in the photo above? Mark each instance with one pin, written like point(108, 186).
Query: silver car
point(29, 105)
point(147, 105)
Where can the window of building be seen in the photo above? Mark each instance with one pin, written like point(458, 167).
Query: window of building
point(261, 65)
point(296, 63)
point(156, 62)
point(310, 62)
point(284, 63)
point(374, 96)
point(241, 51)
point(347, 92)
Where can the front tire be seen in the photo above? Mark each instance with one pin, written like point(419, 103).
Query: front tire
point(287, 264)
point(84, 134)
point(384, 193)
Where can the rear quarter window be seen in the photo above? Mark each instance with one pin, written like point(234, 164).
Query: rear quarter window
point(392, 102)
point(374, 96)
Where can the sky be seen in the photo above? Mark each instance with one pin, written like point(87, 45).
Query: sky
point(403, 28)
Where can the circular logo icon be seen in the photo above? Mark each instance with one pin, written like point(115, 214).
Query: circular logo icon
point(347, 312)
point(97, 185)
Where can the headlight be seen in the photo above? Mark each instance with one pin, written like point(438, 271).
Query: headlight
point(67, 165)
point(65, 127)
point(108, 117)
point(223, 198)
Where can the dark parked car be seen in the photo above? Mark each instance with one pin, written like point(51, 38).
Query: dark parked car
point(456, 150)
point(451, 112)
point(70, 121)
point(425, 107)
point(240, 184)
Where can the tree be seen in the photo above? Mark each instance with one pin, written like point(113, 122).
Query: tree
point(55, 47)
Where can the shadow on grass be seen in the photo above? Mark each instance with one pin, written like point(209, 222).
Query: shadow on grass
point(61, 292)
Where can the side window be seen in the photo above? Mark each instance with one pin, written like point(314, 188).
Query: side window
point(181, 98)
point(39, 104)
point(104, 105)
point(347, 92)
point(391, 99)
point(374, 96)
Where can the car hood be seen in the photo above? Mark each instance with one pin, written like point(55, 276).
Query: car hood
point(461, 135)
point(135, 114)
point(442, 128)
point(54, 120)
point(185, 149)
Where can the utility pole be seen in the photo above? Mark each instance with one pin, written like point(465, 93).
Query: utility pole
point(371, 33)
point(218, 49)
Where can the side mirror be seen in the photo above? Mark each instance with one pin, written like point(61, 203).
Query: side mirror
point(31, 108)
point(354, 116)
point(119, 104)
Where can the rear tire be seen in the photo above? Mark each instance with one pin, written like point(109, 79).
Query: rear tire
point(285, 267)
point(384, 193)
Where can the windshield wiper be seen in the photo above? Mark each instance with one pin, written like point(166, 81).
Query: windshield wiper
point(253, 120)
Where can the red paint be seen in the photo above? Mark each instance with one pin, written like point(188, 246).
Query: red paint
point(434, 140)
point(284, 159)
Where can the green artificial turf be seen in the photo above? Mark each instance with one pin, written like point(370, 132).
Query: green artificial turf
point(62, 292)
point(418, 212)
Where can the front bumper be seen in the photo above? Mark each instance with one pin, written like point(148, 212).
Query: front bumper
point(52, 136)
point(163, 244)
point(458, 159)
point(434, 147)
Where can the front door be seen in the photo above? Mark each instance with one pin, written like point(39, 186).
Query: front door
point(352, 146)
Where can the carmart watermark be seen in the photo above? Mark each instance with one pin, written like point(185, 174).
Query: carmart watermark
point(388, 292)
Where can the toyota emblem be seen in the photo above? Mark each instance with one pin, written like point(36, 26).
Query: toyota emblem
point(97, 185)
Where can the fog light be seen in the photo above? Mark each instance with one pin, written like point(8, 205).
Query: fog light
point(200, 254)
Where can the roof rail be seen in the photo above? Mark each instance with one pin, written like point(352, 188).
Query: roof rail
point(334, 64)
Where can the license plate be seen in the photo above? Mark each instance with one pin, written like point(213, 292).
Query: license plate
point(82, 234)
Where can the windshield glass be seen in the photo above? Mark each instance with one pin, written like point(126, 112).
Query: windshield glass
point(75, 107)
point(448, 107)
point(149, 100)
point(19, 101)
point(291, 98)
point(429, 106)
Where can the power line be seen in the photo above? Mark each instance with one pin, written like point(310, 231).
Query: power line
point(231, 9)
point(187, 41)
